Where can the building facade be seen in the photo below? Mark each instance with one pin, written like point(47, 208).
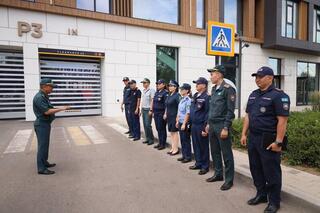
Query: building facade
point(87, 46)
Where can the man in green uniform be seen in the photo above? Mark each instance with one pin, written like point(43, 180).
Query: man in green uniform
point(221, 114)
point(44, 112)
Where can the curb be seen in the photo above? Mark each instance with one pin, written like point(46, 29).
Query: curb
point(292, 196)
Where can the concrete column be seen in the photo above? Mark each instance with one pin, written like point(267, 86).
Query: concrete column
point(31, 76)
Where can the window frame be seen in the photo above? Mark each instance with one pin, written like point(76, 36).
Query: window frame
point(278, 74)
point(95, 7)
point(306, 101)
point(176, 63)
point(316, 30)
point(293, 4)
point(203, 14)
point(239, 25)
point(178, 14)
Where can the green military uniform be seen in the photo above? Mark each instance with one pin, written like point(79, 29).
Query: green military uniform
point(42, 126)
point(221, 114)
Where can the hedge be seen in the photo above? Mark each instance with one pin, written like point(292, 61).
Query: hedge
point(303, 135)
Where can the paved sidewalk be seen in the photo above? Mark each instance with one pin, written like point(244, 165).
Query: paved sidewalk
point(297, 184)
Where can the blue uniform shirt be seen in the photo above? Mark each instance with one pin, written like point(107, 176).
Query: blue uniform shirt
point(126, 94)
point(133, 98)
point(42, 104)
point(159, 101)
point(184, 108)
point(172, 103)
point(199, 109)
point(263, 108)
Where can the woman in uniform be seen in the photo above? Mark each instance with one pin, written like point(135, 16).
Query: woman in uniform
point(172, 104)
point(158, 110)
point(182, 123)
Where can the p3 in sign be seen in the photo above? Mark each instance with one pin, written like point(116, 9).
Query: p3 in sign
point(220, 39)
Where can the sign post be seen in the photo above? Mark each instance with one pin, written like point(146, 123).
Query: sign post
point(221, 42)
point(220, 39)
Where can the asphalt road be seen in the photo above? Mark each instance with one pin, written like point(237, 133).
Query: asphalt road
point(109, 174)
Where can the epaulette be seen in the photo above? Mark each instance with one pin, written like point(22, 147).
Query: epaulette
point(227, 85)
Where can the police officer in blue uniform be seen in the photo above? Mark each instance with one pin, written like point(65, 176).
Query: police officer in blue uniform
point(45, 114)
point(182, 122)
point(158, 110)
point(221, 115)
point(126, 103)
point(198, 117)
point(134, 110)
point(266, 119)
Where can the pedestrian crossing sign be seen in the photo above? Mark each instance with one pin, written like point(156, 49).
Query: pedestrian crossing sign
point(220, 39)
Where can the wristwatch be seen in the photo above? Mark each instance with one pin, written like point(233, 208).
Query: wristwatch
point(278, 143)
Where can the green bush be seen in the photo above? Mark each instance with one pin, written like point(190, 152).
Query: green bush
point(303, 135)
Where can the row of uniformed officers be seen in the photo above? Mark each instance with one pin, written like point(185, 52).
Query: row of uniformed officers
point(203, 118)
point(207, 120)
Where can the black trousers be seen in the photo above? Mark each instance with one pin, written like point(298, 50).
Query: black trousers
point(265, 169)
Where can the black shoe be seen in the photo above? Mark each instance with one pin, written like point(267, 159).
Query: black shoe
point(149, 143)
point(194, 167)
point(156, 146)
point(215, 178)
point(49, 165)
point(46, 172)
point(186, 161)
point(258, 199)
point(169, 153)
point(180, 159)
point(271, 208)
point(203, 171)
point(127, 132)
point(145, 142)
point(136, 139)
point(226, 186)
point(176, 153)
point(161, 147)
point(130, 136)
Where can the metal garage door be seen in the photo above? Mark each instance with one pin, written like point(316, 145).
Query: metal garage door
point(12, 101)
point(79, 85)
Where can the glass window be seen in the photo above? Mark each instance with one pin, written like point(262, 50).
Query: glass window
point(233, 13)
point(102, 6)
point(307, 81)
point(167, 63)
point(232, 69)
point(200, 13)
point(275, 64)
point(316, 28)
point(289, 19)
point(85, 4)
point(157, 10)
